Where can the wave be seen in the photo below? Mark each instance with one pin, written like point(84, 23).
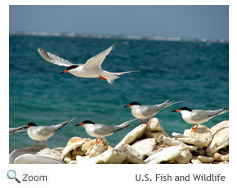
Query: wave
point(129, 37)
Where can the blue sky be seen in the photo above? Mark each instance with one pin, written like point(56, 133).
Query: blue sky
point(189, 22)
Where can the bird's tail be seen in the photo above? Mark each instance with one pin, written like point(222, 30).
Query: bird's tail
point(111, 76)
point(123, 125)
point(60, 125)
point(219, 112)
point(167, 104)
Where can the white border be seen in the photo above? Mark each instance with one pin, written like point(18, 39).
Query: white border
point(113, 175)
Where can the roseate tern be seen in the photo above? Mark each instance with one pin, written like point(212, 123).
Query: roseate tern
point(196, 117)
point(91, 69)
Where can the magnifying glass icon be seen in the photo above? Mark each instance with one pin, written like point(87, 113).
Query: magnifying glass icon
point(11, 174)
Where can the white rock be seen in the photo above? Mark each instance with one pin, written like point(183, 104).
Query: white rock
point(203, 135)
point(110, 156)
point(178, 135)
point(132, 135)
point(201, 138)
point(219, 126)
point(166, 154)
point(220, 138)
point(158, 136)
point(173, 142)
point(132, 156)
point(50, 153)
point(184, 156)
point(199, 143)
point(145, 146)
point(220, 157)
point(33, 159)
point(205, 159)
point(154, 125)
point(28, 150)
point(196, 161)
point(96, 150)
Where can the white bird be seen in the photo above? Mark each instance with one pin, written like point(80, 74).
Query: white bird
point(43, 133)
point(147, 111)
point(17, 129)
point(99, 131)
point(197, 117)
point(91, 69)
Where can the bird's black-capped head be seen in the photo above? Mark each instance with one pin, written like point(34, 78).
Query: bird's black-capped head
point(69, 68)
point(85, 122)
point(182, 109)
point(31, 125)
point(132, 104)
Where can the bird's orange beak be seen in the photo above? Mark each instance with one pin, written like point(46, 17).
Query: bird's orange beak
point(80, 124)
point(63, 71)
point(127, 106)
point(176, 110)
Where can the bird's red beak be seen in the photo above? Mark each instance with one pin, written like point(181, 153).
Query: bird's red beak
point(81, 124)
point(63, 71)
point(127, 106)
point(176, 110)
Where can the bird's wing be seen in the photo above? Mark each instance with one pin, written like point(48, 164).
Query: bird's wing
point(53, 58)
point(17, 129)
point(103, 130)
point(98, 59)
point(198, 115)
point(44, 130)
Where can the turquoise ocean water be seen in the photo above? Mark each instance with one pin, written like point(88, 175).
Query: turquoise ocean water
point(195, 72)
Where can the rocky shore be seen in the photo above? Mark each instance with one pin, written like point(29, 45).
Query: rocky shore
point(145, 144)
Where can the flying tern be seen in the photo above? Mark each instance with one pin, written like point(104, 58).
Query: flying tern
point(147, 111)
point(99, 131)
point(197, 117)
point(91, 69)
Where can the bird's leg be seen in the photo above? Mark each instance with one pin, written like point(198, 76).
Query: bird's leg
point(37, 143)
point(97, 142)
point(194, 128)
point(141, 121)
point(103, 78)
point(147, 121)
point(44, 142)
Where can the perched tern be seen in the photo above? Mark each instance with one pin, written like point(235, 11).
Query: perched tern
point(147, 111)
point(91, 69)
point(99, 131)
point(40, 133)
point(17, 129)
point(197, 117)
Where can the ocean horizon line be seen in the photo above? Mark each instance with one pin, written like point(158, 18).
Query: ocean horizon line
point(128, 37)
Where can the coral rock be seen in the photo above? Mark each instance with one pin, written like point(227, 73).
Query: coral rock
point(219, 157)
point(154, 125)
point(205, 159)
point(145, 146)
point(132, 156)
point(220, 139)
point(166, 154)
point(132, 135)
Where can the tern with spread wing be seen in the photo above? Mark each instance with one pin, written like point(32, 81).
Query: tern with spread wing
point(197, 117)
point(91, 69)
point(99, 131)
point(43, 133)
point(147, 111)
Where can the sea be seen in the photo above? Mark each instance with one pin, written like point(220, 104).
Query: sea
point(195, 72)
